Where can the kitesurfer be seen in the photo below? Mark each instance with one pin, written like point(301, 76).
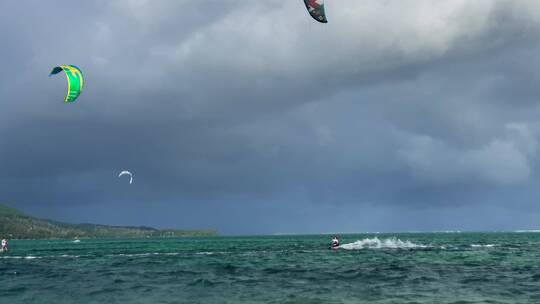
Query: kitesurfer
point(335, 242)
point(4, 246)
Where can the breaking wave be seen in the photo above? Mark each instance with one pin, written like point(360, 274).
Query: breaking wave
point(375, 243)
point(28, 257)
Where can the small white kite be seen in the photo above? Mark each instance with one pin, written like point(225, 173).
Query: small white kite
point(128, 173)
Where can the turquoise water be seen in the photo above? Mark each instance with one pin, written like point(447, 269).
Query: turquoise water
point(381, 268)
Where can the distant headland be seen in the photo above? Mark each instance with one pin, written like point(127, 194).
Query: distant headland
point(17, 225)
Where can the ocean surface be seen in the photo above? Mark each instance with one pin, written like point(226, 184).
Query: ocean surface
point(370, 268)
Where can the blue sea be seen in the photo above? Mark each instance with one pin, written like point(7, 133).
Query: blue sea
point(369, 268)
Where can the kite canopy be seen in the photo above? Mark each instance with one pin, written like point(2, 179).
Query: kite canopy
point(128, 173)
point(316, 10)
point(74, 78)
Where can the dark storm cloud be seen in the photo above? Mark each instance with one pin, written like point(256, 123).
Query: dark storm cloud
point(248, 117)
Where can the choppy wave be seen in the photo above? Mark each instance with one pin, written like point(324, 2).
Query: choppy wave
point(376, 243)
point(119, 255)
point(483, 245)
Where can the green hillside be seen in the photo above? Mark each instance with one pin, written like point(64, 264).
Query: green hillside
point(17, 225)
point(7, 211)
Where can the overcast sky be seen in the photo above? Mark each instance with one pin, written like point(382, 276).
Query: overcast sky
point(252, 118)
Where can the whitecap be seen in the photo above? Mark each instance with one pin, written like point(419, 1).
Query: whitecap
point(376, 243)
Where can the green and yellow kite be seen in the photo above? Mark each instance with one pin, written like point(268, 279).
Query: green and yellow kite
point(75, 80)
